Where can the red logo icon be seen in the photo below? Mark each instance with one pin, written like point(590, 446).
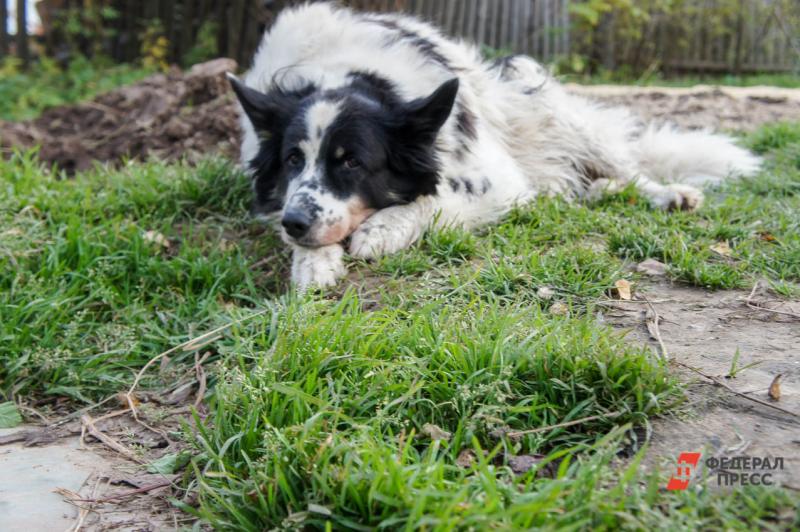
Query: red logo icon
point(687, 462)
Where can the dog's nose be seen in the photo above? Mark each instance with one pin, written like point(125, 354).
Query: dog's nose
point(296, 223)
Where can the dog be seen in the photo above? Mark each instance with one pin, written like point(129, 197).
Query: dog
point(363, 130)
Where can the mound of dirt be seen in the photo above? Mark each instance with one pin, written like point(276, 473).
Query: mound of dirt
point(168, 116)
point(702, 106)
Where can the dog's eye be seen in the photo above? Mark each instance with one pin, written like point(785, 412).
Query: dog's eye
point(294, 159)
point(351, 163)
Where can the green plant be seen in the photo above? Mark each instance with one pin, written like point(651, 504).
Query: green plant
point(24, 94)
point(155, 46)
point(82, 31)
point(205, 46)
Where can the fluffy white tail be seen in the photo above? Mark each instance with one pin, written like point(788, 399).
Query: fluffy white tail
point(692, 157)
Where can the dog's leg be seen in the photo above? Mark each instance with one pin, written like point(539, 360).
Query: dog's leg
point(317, 267)
point(671, 197)
point(392, 229)
point(674, 196)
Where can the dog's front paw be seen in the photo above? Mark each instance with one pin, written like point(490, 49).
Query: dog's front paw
point(317, 267)
point(369, 243)
point(681, 198)
point(386, 232)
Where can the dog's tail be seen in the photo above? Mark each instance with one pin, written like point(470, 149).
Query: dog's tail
point(692, 157)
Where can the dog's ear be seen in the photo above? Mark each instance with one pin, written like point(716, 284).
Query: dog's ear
point(425, 116)
point(267, 112)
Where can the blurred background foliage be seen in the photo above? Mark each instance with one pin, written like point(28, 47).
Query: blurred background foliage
point(607, 40)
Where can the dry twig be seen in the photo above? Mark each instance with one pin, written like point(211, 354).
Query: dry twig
point(137, 491)
point(88, 426)
point(84, 511)
point(652, 320)
point(189, 345)
point(759, 306)
point(201, 378)
point(725, 385)
point(520, 433)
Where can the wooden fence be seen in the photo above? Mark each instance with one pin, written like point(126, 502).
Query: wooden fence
point(536, 27)
point(757, 38)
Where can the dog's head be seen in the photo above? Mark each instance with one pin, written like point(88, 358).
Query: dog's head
point(329, 159)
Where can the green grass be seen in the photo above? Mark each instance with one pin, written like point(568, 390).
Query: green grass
point(322, 408)
point(25, 94)
point(788, 80)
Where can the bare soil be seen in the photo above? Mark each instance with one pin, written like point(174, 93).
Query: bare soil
point(168, 116)
point(704, 331)
point(702, 106)
point(89, 473)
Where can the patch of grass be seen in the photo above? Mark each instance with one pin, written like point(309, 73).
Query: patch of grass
point(789, 81)
point(322, 410)
point(775, 137)
point(99, 273)
point(336, 400)
point(25, 94)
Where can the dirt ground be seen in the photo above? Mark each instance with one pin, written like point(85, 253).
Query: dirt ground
point(703, 331)
point(702, 106)
point(167, 116)
point(88, 471)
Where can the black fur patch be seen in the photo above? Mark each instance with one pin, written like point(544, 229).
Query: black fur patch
point(465, 122)
point(423, 45)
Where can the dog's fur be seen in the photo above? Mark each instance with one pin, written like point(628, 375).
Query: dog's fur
point(361, 130)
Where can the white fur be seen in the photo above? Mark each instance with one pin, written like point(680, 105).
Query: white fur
point(532, 136)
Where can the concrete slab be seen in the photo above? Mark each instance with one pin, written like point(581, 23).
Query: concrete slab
point(29, 476)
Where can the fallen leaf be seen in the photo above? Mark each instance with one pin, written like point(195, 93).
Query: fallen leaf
point(122, 397)
point(775, 388)
point(179, 395)
point(523, 463)
point(559, 309)
point(652, 267)
point(9, 416)
point(435, 433)
point(170, 463)
point(546, 293)
point(156, 238)
point(722, 248)
point(33, 438)
point(623, 289)
point(465, 459)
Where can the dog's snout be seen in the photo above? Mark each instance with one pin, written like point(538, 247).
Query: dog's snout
point(296, 223)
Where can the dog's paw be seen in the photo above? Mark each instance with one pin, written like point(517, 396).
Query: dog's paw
point(601, 187)
point(386, 232)
point(675, 197)
point(369, 243)
point(682, 198)
point(317, 267)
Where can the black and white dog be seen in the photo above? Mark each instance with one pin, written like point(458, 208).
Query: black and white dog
point(362, 130)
